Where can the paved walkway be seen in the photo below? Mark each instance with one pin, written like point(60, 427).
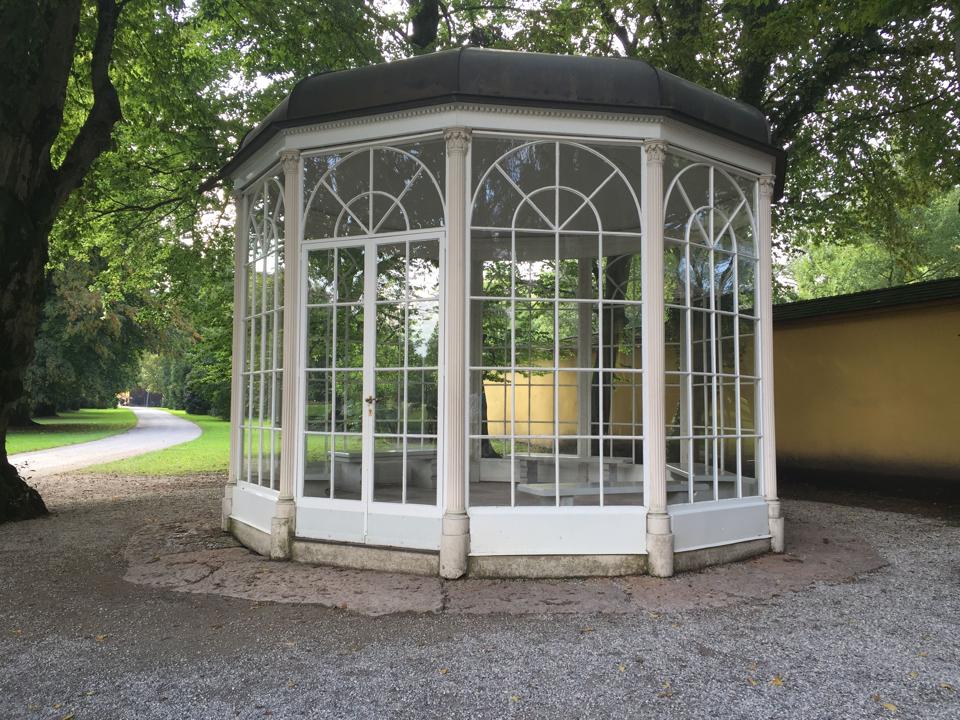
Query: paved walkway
point(155, 430)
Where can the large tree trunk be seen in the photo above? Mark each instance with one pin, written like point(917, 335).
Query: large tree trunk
point(38, 62)
point(23, 245)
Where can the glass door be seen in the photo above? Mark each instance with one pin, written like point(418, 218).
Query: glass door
point(371, 386)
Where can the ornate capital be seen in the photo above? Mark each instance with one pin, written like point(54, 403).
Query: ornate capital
point(767, 185)
point(656, 151)
point(290, 161)
point(458, 139)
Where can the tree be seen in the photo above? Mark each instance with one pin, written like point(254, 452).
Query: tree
point(930, 250)
point(40, 40)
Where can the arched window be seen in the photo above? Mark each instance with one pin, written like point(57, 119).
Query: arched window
point(555, 293)
point(376, 190)
point(263, 345)
point(711, 330)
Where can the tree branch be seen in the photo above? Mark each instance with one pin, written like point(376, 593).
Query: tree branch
point(94, 135)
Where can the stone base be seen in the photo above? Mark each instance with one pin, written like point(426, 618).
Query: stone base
point(365, 557)
point(555, 566)
point(719, 555)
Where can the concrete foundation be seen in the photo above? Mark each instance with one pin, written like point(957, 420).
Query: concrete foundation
point(719, 555)
point(250, 537)
point(366, 557)
point(555, 566)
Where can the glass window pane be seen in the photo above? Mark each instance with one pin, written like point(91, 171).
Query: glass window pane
point(388, 469)
point(350, 274)
point(424, 269)
point(349, 337)
point(320, 337)
point(422, 400)
point(492, 321)
point(491, 264)
point(535, 269)
point(348, 402)
point(319, 401)
point(389, 402)
point(390, 335)
point(423, 333)
point(421, 474)
point(391, 271)
point(347, 467)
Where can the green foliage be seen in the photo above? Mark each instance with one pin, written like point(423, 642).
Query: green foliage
point(70, 428)
point(209, 453)
point(930, 250)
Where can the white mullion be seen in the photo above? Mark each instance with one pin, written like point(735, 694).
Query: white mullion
point(688, 350)
point(556, 324)
point(405, 373)
point(714, 325)
point(736, 362)
point(525, 197)
point(513, 363)
point(601, 363)
point(333, 368)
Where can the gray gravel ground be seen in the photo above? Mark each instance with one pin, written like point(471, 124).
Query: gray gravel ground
point(77, 641)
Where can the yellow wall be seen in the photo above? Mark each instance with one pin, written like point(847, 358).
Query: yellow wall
point(871, 390)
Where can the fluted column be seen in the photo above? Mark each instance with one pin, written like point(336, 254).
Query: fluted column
point(455, 534)
point(236, 373)
point(659, 531)
point(768, 443)
point(283, 525)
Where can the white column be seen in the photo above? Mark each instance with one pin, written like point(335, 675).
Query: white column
point(659, 531)
point(236, 374)
point(455, 537)
point(768, 444)
point(282, 527)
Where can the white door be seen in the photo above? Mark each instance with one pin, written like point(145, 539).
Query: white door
point(372, 329)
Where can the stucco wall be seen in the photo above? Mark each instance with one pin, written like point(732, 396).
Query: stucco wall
point(871, 391)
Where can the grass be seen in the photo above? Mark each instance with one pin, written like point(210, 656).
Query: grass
point(69, 428)
point(207, 454)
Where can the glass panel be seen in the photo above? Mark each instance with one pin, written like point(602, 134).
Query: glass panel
point(422, 402)
point(578, 272)
point(424, 270)
point(391, 271)
point(533, 403)
point(423, 333)
point(535, 470)
point(389, 402)
point(388, 469)
point(491, 264)
point(319, 401)
point(320, 337)
point(749, 457)
point(350, 274)
point(319, 277)
point(347, 465)
point(348, 402)
point(349, 337)
point(534, 333)
point(535, 269)
point(622, 275)
point(421, 472)
point(490, 471)
point(491, 404)
point(492, 337)
point(389, 330)
point(748, 406)
point(724, 281)
point(748, 350)
point(275, 468)
point(746, 277)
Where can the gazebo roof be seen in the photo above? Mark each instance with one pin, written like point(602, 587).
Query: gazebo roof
point(502, 77)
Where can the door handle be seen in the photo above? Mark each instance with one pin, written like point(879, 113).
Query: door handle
point(370, 400)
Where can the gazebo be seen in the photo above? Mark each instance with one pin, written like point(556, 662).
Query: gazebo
point(504, 314)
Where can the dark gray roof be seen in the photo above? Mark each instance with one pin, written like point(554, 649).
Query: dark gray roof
point(510, 78)
point(913, 294)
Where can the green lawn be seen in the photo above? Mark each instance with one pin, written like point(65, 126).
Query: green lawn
point(208, 453)
point(69, 428)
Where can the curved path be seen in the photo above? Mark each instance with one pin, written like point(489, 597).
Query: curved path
point(155, 430)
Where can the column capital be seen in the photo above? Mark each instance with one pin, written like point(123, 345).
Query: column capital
point(457, 138)
point(767, 185)
point(290, 161)
point(656, 151)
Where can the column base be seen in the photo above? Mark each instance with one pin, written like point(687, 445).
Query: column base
point(659, 545)
point(776, 526)
point(226, 506)
point(454, 546)
point(282, 530)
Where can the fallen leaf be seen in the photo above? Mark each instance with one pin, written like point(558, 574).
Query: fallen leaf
point(69, 716)
point(752, 681)
point(90, 693)
point(875, 697)
point(914, 675)
point(514, 698)
point(922, 653)
point(666, 684)
point(291, 684)
point(586, 630)
point(444, 671)
point(947, 686)
point(100, 638)
point(654, 615)
point(621, 667)
point(890, 706)
point(17, 631)
point(776, 680)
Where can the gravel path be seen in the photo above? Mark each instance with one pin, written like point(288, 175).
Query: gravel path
point(155, 430)
point(78, 641)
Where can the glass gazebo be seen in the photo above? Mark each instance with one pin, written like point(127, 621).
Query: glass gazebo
point(504, 314)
